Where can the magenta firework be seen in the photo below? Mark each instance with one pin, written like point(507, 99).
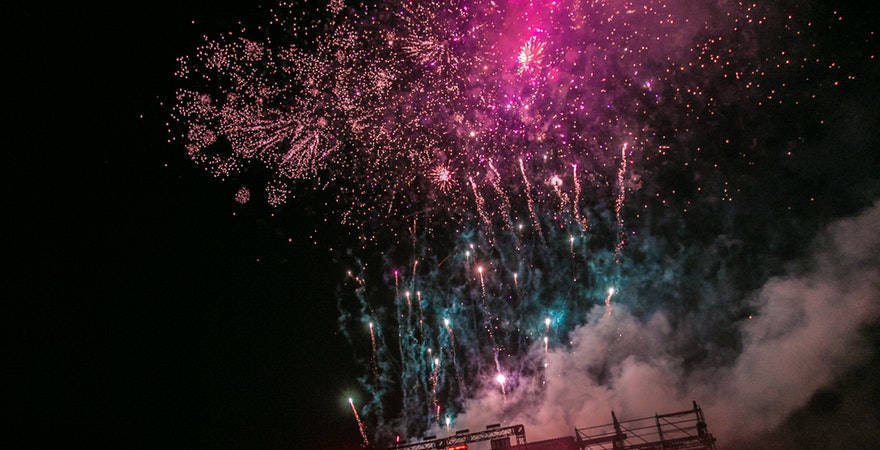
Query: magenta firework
point(522, 174)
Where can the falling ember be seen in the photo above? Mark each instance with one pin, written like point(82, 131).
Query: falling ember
point(529, 200)
point(421, 315)
point(482, 286)
point(452, 346)
point(577, 200)
point(618, 205)
point(481, 210)
point(451, 335)
point(375, 359)
point(360, 423)
point(435, 374)
point(489, 319)
point(502, 194)
point(608, 307)
point(502, 381)
point(556, 183)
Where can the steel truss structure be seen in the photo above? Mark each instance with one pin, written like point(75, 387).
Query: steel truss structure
point(465, 437)
point(673, 431)
point(681, 430)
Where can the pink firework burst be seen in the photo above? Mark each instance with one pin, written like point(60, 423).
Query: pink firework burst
point(530, 54)
point(441, 176)
point(243, 195)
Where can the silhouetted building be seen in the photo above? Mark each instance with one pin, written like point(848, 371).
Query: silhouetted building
point(681, 430)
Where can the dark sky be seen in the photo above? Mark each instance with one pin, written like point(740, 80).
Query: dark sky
point(147, 310)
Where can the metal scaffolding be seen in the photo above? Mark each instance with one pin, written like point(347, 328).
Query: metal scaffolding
point(463, 437)
point(682, 430)
point(671, 431)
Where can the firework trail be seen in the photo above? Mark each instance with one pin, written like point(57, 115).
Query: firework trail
point(481, 210)
point(360, 423)
point(457, 368)
point(502, 381)
point(421, 315)
point(496, 185)
point(488, 320)
point(375, 358)
point(577, 200)
point(608, 307)
point(546, 339)
point(530, 200)
point(435, 374)
point(439, 128)
point(451, 334)
point(618, 205)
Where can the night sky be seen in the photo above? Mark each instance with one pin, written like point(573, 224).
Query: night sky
point(151, 310)
point(144, 313)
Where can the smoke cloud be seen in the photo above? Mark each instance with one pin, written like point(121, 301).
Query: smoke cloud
point(807, 331)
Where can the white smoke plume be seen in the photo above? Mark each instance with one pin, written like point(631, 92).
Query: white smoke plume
point(806, 332)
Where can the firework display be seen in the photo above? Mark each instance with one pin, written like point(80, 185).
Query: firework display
point(543, 192)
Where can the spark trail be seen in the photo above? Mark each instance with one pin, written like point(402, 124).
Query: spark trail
point(360, 423)
point(608, 307)
point(374, 360)
point(529, 200)
point(618, 205)
point(577, 200)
